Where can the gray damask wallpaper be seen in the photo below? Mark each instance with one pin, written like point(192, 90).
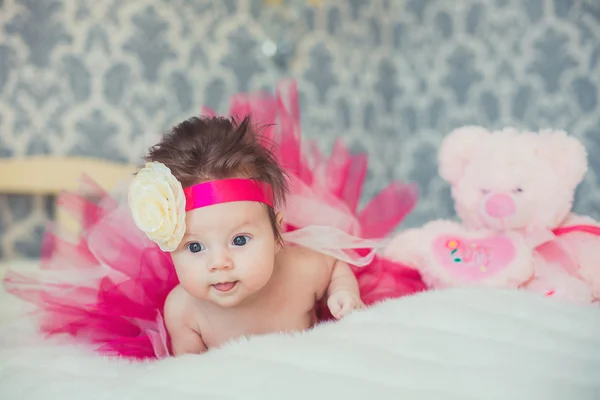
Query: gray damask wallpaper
point(102, 78)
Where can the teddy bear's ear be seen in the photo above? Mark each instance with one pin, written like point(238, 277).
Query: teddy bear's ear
point(565, 153)
point(456, 150)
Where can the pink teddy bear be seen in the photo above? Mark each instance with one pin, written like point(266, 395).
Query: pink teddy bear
point(514, 192)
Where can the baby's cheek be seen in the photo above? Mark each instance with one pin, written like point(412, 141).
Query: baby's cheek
point(257, 269)
point(190, 276)
point(260, 272)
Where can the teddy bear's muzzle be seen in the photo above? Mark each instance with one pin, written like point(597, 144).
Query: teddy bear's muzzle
point(500, 205)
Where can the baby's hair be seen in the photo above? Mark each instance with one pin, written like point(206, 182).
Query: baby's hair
point(209, 148)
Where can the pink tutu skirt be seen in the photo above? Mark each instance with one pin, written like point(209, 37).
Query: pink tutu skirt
point(107, 286)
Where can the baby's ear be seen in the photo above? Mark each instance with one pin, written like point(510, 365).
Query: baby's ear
point(565, 153)
point(279, 218)
point(457, 149)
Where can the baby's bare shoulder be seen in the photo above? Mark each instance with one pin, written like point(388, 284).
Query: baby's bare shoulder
point(293, 255)
point(306, 265)
point(178, 306)
point(182, 323)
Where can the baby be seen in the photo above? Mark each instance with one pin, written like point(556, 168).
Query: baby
point(216, 190)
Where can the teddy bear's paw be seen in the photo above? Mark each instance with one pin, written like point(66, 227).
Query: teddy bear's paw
point(406, 247)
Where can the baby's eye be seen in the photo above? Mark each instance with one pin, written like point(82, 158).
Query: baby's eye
point(485, 191)
point(241, 240)
point(518, 190)
point(195, 247)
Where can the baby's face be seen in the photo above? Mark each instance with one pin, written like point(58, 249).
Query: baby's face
point(228, 252)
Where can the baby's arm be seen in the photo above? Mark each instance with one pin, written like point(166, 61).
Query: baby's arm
point(178, 320)
point(343, 293)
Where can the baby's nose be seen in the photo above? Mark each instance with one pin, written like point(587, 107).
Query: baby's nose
point(220, 266)
point(500, 206)
point(221, 262)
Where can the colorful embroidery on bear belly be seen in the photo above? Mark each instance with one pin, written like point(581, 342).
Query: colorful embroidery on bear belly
point(473, 259)
point(471, 256)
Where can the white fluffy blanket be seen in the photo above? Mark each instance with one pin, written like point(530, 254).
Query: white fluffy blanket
point(455, 344)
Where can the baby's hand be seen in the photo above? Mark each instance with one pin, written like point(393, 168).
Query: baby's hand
point(343, 302)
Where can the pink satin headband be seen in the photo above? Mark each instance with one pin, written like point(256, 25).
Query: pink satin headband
point(227, 190)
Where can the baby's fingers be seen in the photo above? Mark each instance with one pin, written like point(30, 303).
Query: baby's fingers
point(334, 307)
point(346, 309)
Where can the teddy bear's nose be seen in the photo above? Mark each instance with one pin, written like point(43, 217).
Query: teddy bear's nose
point(500, 206)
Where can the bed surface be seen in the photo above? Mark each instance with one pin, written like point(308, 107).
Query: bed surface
point(455, 344)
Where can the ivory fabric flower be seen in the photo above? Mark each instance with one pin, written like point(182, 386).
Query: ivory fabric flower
point(157, 204)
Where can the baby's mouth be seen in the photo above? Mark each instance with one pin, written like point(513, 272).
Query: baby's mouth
point(225, 286)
